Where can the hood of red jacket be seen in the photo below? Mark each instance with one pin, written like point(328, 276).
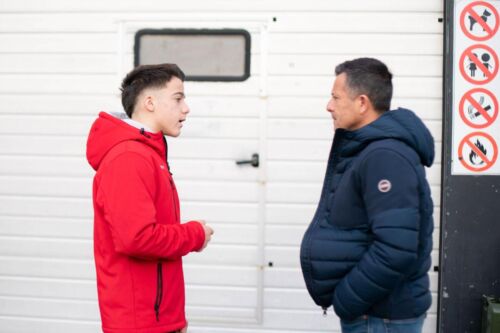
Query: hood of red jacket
point(108, 130)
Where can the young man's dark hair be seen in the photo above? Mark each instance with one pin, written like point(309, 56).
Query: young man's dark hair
point(370, 77)
point(146, 76)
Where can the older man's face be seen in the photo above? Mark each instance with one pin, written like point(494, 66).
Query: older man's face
point(343, 107)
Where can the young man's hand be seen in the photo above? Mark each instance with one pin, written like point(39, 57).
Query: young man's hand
point(208, 233)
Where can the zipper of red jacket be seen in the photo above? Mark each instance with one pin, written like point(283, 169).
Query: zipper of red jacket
point(159, 274)
point(159, 271)
point(172, 184)
point(159, 290)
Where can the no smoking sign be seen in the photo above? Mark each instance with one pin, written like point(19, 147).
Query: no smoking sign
point(479, 108)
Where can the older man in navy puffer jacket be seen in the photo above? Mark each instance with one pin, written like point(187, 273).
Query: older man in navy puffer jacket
point(367, 250)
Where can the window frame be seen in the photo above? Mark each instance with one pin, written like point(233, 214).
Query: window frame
point(200, 32)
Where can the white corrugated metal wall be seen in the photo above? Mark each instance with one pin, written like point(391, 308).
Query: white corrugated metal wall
point(58, 68)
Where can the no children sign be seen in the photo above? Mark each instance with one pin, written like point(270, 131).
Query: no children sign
point(476, 88)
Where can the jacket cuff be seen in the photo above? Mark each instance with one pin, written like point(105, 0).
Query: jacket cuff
point(198, 233)
point(340, 311)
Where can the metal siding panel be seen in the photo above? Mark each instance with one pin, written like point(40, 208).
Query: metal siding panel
point(25, 324)
point(287, 22)
point(74, 63)
point(324, 64)
point(220, 6)
point(360, 44)
point(315, 107)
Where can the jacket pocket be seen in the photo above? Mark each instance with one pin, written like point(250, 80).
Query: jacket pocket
point(159, 290)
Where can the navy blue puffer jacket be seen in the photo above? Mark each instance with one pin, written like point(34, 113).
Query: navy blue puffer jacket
point(367, 249)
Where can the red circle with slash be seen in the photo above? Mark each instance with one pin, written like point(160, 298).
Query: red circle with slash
point(489, 75)
point(480, 111)
point(488, 163)
point(490, 31)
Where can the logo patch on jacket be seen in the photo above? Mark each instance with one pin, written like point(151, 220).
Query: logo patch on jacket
point(384, 186)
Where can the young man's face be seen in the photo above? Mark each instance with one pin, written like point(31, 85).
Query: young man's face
point(170, 108)
point(343, 108)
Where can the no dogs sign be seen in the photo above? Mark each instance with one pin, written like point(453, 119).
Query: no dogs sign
point(479, 20)
point(476, 88)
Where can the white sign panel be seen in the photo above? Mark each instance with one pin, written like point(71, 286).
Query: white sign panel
point(476, 88)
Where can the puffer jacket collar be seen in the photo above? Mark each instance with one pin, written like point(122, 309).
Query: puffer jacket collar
point(400, 124)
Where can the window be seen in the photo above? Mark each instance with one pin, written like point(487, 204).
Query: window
point(203, 55)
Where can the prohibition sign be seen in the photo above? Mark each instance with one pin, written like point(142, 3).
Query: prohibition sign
point(467, 142)
point(488, 75)
point(478, 110)
point(478, 16)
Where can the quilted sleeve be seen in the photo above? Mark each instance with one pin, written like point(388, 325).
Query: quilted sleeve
point(126, 193)
point(389, 184)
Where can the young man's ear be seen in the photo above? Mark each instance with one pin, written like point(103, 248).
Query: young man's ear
point(149, 103)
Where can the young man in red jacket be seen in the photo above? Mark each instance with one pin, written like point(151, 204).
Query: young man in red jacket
point(139, 241)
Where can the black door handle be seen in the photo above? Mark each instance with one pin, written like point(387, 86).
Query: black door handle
point(253, 162)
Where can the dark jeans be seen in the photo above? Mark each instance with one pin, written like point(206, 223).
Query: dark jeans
point(369, 324)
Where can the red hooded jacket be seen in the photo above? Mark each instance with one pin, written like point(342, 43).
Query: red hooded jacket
point(138, 238)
